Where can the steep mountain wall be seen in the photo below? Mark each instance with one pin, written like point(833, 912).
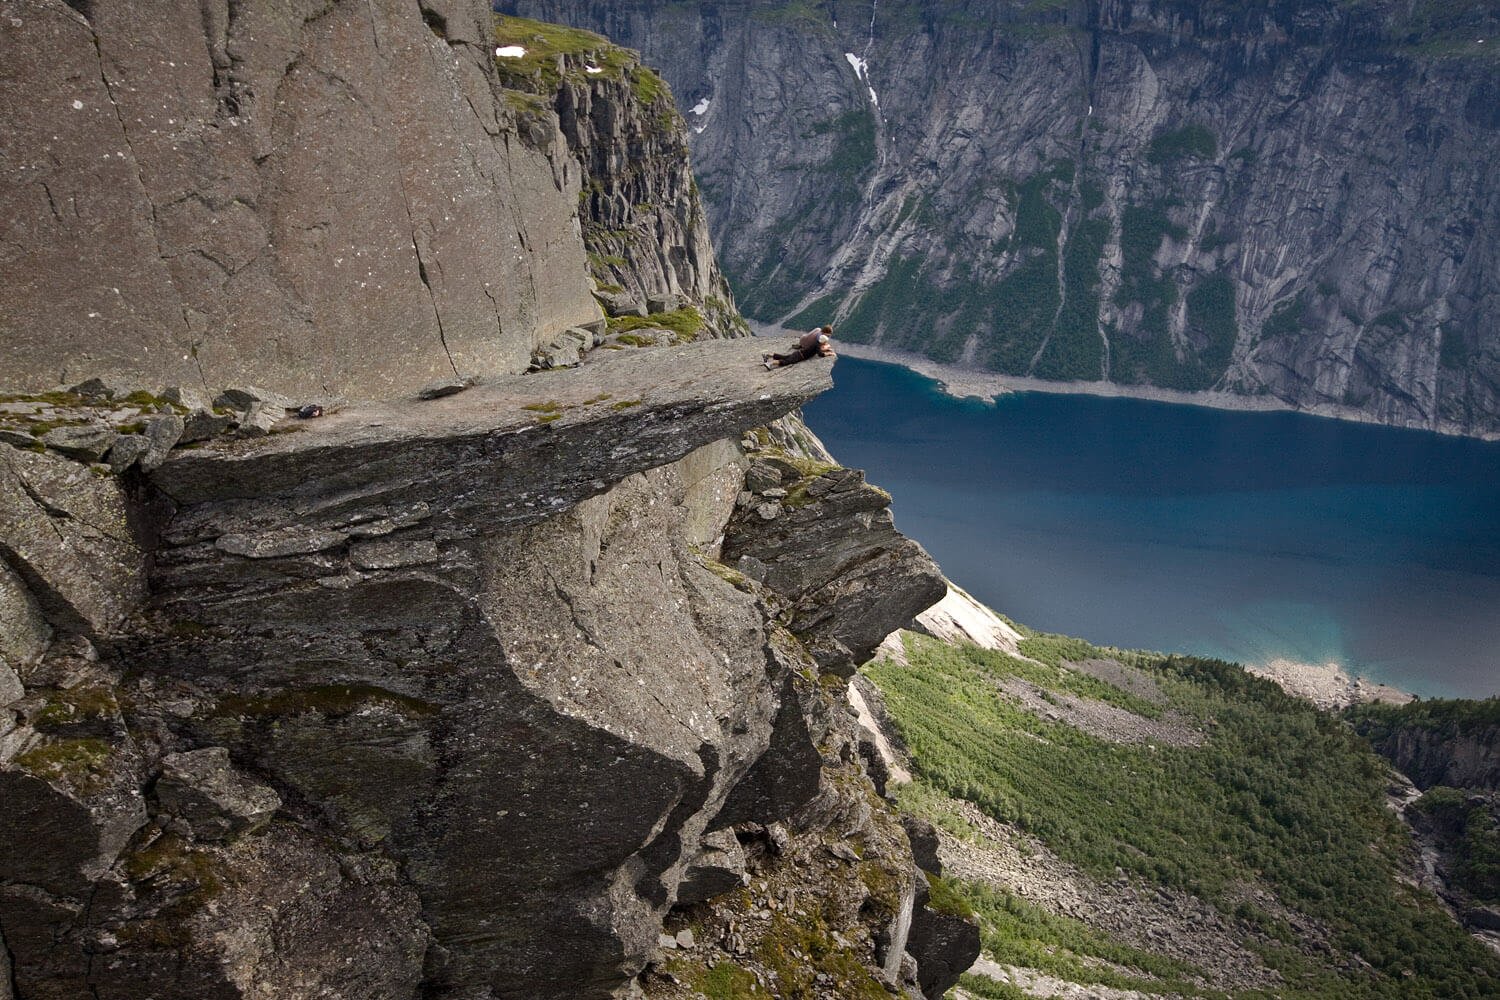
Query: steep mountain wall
point(1288, 198)
point(644, 224)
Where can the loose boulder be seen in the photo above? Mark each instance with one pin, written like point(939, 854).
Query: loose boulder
point(203, 789)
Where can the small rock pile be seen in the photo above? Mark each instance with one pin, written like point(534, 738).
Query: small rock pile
point(115, 426)
point(619, 304)
point(572, 345)
point(569, 347)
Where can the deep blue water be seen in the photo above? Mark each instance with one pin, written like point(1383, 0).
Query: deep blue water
point(1245, 536)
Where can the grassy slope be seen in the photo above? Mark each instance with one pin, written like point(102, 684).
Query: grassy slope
point(1279, 795)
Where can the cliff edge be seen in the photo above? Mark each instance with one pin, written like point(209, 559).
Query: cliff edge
point(526, 684)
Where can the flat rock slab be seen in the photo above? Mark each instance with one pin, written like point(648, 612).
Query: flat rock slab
point(520, 448)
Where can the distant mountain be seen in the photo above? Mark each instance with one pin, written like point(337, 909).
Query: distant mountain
point(1292, 198)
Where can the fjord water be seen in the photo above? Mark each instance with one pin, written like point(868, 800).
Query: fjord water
point(1245, 536)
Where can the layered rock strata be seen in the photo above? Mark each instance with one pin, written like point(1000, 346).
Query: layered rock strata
point(644, 223)
point(449, 695)
point(821, 537)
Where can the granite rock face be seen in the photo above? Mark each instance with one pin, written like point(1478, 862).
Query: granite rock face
point(314, 197)
point(1292, 200)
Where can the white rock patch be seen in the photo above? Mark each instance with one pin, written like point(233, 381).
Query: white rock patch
point(698, 111)
point(862, 72)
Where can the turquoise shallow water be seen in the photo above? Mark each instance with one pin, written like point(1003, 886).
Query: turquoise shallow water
point(1246, 536)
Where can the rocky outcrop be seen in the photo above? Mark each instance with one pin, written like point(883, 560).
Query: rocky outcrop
point(829, 896)
point(426, 593)
point(315, 197)
point(822, 538)
point(1292, 199)
point(944, 940)
point(1438, 742)
point(67, 533)
point(944, 944)
point(446, 695)
point(1469, 760)
point(643, 221)
point(470, 667)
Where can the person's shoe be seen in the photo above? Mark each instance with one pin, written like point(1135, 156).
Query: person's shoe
point(767, 364)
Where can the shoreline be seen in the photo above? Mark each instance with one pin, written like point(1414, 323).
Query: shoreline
point(967, 383)
point(1328, 685)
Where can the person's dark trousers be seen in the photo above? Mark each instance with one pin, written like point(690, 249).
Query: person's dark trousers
point(795, 356)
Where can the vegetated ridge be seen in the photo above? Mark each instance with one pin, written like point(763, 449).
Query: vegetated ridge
point(1236, 842)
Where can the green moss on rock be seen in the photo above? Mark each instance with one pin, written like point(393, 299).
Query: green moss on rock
point(686, 323)
point(73, 705)
point(944, 897)
point(81, 762)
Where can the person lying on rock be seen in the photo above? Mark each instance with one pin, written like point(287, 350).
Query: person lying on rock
point(812, 344)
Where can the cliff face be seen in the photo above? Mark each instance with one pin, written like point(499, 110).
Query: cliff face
point(461, 684)
point(1293, 198)
point(644, 225)
point(455, 696)
point(1452, 743)
point(1450, 750)
point(313, 197)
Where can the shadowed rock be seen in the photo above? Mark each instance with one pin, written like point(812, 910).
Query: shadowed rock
point(65, 532)
point(944, 945)
point(203, 789)
point(487, 608)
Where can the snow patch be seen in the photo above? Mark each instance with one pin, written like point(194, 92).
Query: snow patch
point(862, 73)
point(698, 111)
point(509, 52)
